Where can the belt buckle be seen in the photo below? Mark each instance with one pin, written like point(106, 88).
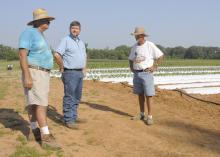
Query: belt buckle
point(146, 70)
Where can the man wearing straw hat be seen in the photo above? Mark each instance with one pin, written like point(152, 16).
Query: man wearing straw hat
point(36, 61)
point(144, 59)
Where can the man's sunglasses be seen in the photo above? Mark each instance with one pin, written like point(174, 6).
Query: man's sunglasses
point(45, 22)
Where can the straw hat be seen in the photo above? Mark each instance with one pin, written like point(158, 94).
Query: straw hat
point(40, 14)
point(139, 31)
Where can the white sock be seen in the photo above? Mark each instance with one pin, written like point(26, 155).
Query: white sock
point(44, 130)
point(34, 125)
point(149, 116)
point(142, 113)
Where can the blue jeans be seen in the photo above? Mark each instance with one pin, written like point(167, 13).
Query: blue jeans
point(73, 82)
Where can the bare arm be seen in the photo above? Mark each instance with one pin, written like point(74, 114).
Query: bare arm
point(28, 83)
point(85, 68)
point(131, 65)
point(157, 62)
point(59, 61)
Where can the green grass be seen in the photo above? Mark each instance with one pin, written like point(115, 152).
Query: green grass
point(2, 133)
point(102, 63)
point(25, 151)
point(60, 153)
point(166, 62)
point(191, 62)
point(22, 139)
point(3, 89)
point(4, 73)
point(92, 64)
point(3, 65)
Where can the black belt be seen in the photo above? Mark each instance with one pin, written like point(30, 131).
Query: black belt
point(38, 68)
point(65, 69)
point(143, 70)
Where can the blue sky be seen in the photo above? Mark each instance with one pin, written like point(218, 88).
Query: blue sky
point(108, 23)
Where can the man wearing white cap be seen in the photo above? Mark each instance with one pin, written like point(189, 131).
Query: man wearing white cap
point(144, 59)
point(36, 61)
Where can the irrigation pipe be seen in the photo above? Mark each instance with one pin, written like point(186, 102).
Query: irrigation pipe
point(183, 93)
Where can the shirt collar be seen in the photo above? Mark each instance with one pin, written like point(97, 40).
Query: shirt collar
point(74, 38)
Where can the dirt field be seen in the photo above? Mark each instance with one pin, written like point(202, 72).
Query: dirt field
point(183, 127)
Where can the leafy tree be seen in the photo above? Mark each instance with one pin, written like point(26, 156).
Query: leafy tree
point(122, 52)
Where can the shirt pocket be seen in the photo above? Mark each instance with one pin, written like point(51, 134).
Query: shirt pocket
point(71, 48)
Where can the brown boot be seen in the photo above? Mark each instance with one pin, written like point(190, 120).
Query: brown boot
point(34, 135)
point(80, 120)
point(48, 141)
point(71, 125)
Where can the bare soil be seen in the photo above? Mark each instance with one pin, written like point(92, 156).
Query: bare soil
point(183, 127)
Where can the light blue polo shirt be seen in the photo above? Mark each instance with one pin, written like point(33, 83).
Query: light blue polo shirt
point(40, 53)
point(73, 52)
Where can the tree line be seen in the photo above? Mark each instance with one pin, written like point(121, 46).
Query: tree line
point(122, 52)
point(193, 52)
point(8, 53)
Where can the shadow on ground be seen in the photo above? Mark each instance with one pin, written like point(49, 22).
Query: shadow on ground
point(9, 118)
point(54, 115)
point(106, 108)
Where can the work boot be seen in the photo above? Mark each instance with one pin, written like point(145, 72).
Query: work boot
point(34, 134)
point(48, 141)
point(80, 120)
point(71, 125)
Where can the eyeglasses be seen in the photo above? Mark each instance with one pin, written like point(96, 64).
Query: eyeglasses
point(45, 22)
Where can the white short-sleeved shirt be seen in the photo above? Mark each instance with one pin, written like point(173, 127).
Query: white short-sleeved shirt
point(143, 56)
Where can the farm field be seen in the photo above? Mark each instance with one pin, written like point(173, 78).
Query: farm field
point(96, 63)
point(193, 76)
point(179, 129)
point(78, 53)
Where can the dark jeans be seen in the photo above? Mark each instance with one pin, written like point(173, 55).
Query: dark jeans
point(73, 82)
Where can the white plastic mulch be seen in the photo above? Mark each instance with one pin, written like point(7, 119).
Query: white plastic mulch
point(192, 84)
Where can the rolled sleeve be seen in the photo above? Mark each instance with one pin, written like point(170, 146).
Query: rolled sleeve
point(62, 47)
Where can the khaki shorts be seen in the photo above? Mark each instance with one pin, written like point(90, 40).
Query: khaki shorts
point(38, 94)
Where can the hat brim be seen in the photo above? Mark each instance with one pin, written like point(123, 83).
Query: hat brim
point(49, 18)
point(134, 34)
